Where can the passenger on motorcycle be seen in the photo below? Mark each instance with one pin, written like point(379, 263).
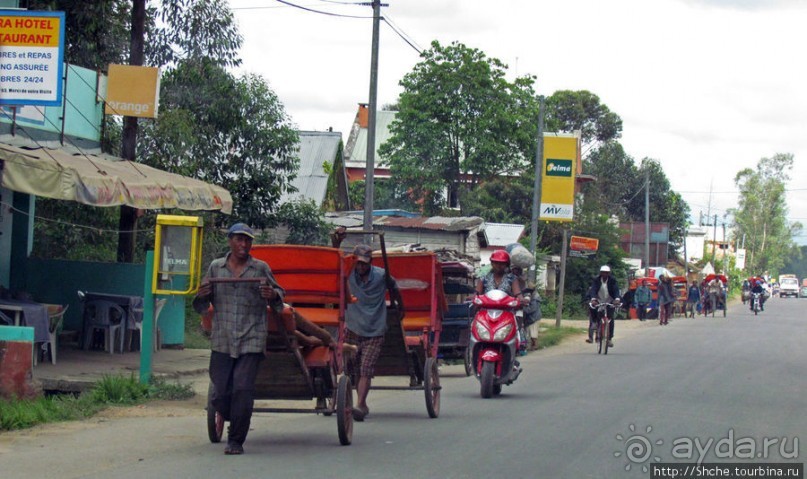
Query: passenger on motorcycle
point(603, 289)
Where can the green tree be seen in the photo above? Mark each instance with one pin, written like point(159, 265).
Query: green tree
point(459, 122)
point(570, 111)
point(761, 214)
point(230, 131)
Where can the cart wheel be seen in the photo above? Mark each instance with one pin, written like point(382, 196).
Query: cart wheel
point(467, 358)
point(486, 389)
point(431, 386)
point(344, 411)
point(215, 422)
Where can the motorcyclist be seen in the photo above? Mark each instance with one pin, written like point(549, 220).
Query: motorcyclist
point(746, 290)
point(498, 277)
point(603, 289)
point(757, 288)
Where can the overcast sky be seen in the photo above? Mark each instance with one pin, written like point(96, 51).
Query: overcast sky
point(706, 87)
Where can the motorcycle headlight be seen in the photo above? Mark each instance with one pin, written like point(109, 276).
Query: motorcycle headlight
point(482, 331)
point(502, 333)
point(494, 313)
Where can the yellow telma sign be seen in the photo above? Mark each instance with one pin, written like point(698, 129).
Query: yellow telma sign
point(558, 177)
point(133, 91)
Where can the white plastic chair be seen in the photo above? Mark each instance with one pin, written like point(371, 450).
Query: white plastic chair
point(56, 318)
point(157, 336)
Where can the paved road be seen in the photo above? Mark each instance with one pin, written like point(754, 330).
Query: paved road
point(572, 414)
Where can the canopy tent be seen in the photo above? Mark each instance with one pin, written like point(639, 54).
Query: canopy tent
point(105, 181)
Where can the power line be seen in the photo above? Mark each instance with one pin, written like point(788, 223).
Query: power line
point(284, 2)
point(401, 34)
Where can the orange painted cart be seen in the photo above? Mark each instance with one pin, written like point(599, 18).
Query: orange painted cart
point(296, 366)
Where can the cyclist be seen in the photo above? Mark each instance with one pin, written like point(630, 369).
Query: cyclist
point(603, 289)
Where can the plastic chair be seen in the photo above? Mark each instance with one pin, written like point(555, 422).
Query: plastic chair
point(158, 307)
point(56, 319)
point(106, 315)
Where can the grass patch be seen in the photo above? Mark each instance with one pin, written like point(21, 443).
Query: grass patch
point(552, 336)
point(111, 390)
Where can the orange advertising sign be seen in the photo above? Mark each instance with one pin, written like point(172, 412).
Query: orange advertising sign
point(581, 243)
point(133, 91)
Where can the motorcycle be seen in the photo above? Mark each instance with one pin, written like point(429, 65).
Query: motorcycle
point(495, 341)
point(756, 303)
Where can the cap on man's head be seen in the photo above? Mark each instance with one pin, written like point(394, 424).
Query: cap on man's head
point(364, 253)
point(240, 229)
point(605, 269)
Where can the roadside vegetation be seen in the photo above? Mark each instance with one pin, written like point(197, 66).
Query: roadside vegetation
point(110, 391)
point(552, 336)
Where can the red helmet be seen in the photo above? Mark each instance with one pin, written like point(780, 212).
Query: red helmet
point(500, 256)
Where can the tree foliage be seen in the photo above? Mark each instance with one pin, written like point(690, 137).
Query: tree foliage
point(761, 215)
point(570, 111)
point(96, 33)
point(458, 119)
point(619, 190)
point(229, 131)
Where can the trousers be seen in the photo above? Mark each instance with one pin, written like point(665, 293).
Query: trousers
point(234, 390)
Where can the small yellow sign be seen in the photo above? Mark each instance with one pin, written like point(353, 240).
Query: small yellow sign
point(561, 154)
point(133, 91)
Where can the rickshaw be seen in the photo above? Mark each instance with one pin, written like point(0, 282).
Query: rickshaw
point(411, 344)
point(652, 308)
point(680, 289)
point(458, 283)
point(314, 280)
point(711, 303)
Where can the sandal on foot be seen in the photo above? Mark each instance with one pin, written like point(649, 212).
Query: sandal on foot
point(234, 449)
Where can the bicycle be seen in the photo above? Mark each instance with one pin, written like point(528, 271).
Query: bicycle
point(601, 330)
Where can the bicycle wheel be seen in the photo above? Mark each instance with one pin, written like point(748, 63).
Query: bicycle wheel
point(605, 335)
point(600, 336)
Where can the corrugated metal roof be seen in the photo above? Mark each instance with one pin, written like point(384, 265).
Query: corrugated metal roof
point(358, 155)
point(437, 223)
point(502, 234)
point(315, 148)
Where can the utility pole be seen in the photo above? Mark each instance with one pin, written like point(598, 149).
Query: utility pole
point(646, 220)
point(127, 224)
point(724, 245)
point(714, 239)
point(371, 120)
point(536, 195)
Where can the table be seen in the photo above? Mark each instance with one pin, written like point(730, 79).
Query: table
point(31, 314)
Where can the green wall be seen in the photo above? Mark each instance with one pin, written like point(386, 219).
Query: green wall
point(58, 281)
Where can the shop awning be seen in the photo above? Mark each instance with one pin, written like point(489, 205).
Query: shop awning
point(102, 181)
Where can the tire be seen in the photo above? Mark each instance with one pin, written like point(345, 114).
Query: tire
point(468, 361)
point(344, 411)
point(486, 380)
point(600, 337)
point(605, 338)
point(431, 387)
point(215, 422)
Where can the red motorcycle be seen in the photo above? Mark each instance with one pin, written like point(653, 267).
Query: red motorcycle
point(495, 341)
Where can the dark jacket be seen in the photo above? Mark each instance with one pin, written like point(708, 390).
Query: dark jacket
point(594, 289)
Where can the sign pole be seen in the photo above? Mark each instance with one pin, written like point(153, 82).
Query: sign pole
point(562, 284)
point(147, 328)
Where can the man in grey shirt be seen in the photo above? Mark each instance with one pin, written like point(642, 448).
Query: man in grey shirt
point(367, 320)
point(238, 337)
